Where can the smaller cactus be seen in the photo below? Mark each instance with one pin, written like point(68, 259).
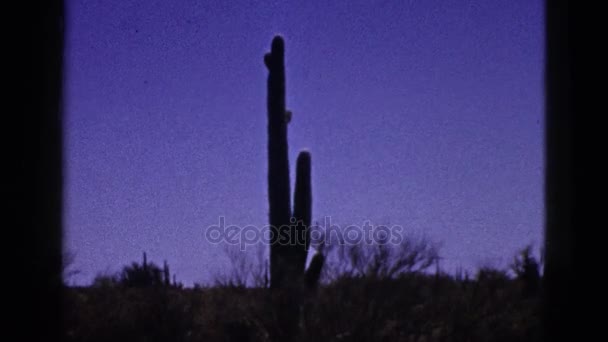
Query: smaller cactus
point(166, 274)
point(288, 115)
point(313, 273)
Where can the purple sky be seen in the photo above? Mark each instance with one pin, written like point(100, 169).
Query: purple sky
point(425, 114)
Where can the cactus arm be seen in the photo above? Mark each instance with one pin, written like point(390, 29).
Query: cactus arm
point(302, 208)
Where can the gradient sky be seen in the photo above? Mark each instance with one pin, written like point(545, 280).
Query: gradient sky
point(426, 114)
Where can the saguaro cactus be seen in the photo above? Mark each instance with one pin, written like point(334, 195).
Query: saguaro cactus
point(291, 232)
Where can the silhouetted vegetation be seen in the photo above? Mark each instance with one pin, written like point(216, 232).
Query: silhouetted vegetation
point(379, 260)
point(527, 270)
point(410, 305)
point(144, 275)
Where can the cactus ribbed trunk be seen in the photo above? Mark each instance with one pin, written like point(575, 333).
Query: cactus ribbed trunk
point(278, 161)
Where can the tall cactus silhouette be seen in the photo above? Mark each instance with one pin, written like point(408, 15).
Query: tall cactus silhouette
point(290, 230)
point(291, 233)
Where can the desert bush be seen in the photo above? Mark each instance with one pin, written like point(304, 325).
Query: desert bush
point(379, 260)
point(527, 271)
